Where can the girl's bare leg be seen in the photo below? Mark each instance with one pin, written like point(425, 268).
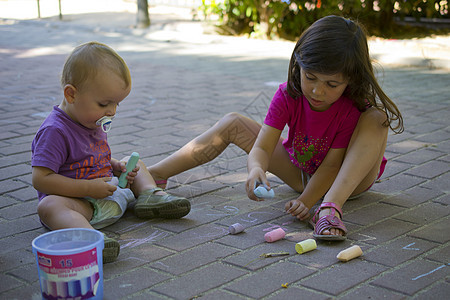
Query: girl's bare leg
point(59, 212)
point(232, 128)
point(281, 166)
point(361, 162)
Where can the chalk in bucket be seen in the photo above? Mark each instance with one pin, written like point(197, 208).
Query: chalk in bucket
point(70, 263)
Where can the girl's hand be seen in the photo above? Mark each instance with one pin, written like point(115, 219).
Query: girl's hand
point(255, 175)
point(99, 188)
point(297, 209)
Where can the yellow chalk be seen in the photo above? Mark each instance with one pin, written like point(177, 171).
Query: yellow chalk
point(305, 246)
point(284, 285)
point(349, 253)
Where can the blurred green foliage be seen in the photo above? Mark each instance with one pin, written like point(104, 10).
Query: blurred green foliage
point(288, 18)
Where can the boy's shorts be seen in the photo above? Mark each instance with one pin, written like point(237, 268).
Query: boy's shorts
point(109, 210)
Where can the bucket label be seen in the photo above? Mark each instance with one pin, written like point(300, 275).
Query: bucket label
point(69, 276)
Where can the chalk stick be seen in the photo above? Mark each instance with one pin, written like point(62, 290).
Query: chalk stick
point(349, 253)
point(305, 246)
point(274, 235)
point(262, 191)
point(131, 164)
point(235, 228)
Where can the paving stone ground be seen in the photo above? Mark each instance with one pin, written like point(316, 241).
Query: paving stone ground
point(182, 84)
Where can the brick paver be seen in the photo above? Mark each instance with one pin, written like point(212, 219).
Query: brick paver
point(182, 85)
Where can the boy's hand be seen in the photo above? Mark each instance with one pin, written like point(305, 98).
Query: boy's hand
point(297, 209)
point(121, 166)
point(99, 188)
point(131, 175)
point(118, 166)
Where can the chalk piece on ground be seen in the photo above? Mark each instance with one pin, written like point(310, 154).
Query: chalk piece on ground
point(349, 253)
point(274, 235)
point(305, 246)
point(235, 228)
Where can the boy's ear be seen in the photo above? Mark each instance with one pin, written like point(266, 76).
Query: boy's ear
point(69, 93)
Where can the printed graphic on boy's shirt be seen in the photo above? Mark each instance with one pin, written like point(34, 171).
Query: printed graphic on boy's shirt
point(309, 152)
point(100, 159)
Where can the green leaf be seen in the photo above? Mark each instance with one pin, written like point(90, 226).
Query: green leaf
point(248, 12)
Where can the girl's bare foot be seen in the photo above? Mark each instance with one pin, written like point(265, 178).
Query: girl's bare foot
point(327, 223)
point(333, 231)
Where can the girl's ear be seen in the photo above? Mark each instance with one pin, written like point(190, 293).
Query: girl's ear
point(69, 93)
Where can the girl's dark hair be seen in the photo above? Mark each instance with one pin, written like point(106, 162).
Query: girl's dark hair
point(334, 45)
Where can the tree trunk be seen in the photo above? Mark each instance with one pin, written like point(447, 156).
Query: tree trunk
point(263, 11)
point(143, 18)
point(386, 19)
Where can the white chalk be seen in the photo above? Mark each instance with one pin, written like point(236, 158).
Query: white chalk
point(349, 253)
point(235, 228)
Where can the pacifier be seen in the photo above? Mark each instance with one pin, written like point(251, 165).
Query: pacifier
point(105, 123)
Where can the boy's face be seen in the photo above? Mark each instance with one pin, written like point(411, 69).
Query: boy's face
point(98, 98)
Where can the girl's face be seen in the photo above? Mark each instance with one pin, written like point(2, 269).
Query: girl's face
point(322, 90)
point(98, 98)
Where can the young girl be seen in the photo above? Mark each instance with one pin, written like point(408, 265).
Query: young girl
point(338, 118)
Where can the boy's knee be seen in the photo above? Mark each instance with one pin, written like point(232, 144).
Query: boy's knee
point(46, 207)
point(141, 164)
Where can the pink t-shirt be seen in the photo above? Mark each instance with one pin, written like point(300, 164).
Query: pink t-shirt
point(311, 133)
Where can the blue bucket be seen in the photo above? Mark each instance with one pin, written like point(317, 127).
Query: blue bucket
point(70, 263)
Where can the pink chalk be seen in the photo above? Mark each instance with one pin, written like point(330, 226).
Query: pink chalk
point(274, 235)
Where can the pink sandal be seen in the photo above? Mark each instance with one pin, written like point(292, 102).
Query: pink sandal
point(328, 222)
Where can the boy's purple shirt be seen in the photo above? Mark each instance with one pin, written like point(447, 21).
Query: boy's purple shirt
point(70, 149)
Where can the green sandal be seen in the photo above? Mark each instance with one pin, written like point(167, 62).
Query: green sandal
point(166, 206)
point(111, 250)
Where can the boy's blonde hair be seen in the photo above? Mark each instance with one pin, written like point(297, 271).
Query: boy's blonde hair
point(87, 59)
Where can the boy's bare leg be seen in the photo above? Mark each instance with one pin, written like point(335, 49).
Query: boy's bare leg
point(361, 163)
point(143, 180)
point(59, 212)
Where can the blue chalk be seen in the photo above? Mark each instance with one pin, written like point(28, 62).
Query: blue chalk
point(262, 192)
point(131, 164)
